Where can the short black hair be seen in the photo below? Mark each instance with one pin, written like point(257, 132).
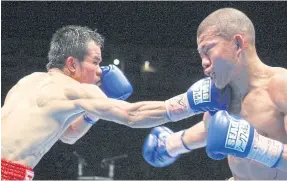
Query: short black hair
point(71, 41)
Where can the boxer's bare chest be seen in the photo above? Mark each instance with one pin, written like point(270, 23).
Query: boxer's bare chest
point(259, 110)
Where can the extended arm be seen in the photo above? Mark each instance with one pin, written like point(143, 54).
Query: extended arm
point(136, 115)
point(202, 96)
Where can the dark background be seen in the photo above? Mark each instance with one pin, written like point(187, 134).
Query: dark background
point(163, 33)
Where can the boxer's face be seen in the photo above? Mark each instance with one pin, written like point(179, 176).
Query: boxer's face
point(89, 71)
point(218, 57)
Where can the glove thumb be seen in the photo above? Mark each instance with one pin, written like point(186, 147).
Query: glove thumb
point(148, 148)
point(216, 156)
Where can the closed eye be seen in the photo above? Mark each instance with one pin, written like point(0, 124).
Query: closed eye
point(207, 51)
point(97, 61)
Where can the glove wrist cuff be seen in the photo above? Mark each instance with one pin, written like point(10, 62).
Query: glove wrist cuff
point(265, 150)
point(178, 108)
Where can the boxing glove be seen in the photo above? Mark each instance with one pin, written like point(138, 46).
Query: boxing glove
point(232, 135)
point(201, 97)
point(154, 149)
point(114, 83)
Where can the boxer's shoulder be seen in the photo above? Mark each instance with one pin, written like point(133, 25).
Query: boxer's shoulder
point(93, 90)
point(32, 77)
point(82, 91)
point(278, 70)
point(278, 88)
point(24, 85)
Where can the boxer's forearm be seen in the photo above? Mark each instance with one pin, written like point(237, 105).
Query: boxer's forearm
point(143, 114)
point(147, 114)
point(195, 137)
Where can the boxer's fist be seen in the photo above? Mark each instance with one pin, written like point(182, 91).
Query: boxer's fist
point(114, 83)
point(232, 135)
point(154, 148)
point(228, 135)
point(203, 96)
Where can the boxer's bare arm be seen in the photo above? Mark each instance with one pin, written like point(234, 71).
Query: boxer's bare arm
point(75, 131)
point(136, 115)
point(11, 91)
point(195, 137)
point(80, 127)
point(278, 93)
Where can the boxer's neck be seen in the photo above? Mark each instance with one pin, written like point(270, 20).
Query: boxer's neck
point(64, 74)
point(56, 70)
point(251, 73)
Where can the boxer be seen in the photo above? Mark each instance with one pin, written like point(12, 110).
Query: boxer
point(252, 132)
point(65, 102)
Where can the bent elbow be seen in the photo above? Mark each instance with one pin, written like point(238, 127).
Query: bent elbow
point(134, 120)
point(130, 123)
point(68, 140)
point(137, 124)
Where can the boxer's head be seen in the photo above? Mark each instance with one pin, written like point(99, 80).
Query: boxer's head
point(224, 39)
point(76, 51)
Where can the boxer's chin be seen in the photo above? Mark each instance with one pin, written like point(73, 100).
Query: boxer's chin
point(220, 83)
point(98, 83)
point(219, 86)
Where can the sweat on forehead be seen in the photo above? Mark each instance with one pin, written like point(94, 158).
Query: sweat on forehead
point(228, 22)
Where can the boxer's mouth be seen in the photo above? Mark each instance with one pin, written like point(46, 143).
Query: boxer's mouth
point(98, 83)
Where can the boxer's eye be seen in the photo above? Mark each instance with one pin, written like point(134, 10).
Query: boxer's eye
point(207, 52)
point(97, 62)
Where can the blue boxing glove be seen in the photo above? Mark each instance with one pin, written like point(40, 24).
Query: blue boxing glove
point(201, 97)
point(232, 135)
point(156, 148)
point(114, 83)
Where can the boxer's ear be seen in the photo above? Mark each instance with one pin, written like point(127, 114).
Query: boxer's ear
point(239, 42)
point(71, 64)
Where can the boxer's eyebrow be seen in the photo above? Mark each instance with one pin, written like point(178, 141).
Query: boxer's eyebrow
point(97, 59)
point(204, 48)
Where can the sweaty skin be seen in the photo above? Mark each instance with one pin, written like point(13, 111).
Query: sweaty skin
point(259, 109)
point(45, 107)
point(258, 93)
